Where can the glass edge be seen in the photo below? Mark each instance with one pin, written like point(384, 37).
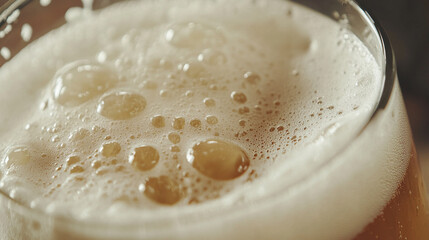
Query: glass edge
point(9, 7)
point(389, 72)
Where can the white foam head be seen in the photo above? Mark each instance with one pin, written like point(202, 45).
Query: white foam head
point(121, 107)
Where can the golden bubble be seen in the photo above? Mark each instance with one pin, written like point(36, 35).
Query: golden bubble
point(242, 123)
point(144, 158)
point(96, 164)
point(243, 110)
point(77, 169)
point(189, 93)
point(72, 160)
point(210, 119)
point(178, 123)
point(218, 159)
point(110, 149)
point(163, 190)
point(174, 137)
point(194, 70)
point(196, 123)
point(239, 97)
point(209, 102)
point(158, 121)
point(81, 81)
point(174, 148)
point(251, 77)
point(17, 156)
point(121, 105)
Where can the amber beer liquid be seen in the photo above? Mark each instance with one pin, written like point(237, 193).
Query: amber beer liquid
point(198, 119)
point(406, 214)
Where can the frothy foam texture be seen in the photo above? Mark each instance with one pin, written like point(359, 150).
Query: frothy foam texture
point(179, 103)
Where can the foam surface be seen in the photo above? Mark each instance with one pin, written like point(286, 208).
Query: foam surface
point(114, 116)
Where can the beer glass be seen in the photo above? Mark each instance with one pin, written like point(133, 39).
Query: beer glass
point(381, 150)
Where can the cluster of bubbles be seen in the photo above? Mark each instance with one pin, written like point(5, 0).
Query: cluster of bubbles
point(186, 127)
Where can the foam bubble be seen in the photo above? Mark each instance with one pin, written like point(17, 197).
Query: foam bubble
point(239, 97)
point(110, 149)
point(17, 156)
point(158, 121)
point(144, 158)
point(210, 119)
point(121, 105)
point(218, 159)
point(80, 81)
point(174, 137)
point(209, 102)
point(163, 190)
point(178, 123)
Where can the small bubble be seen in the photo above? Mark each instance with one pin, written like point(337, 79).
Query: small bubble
point(212, 57)
point(336, 15)
point(210, 119)
point(196, 123)
point(163, 93)
point(251, 77)
point(121, 105)
point(209, 102)
point(295, 72)
point(158, 121)
point(77, 169)
point(79, 134)
point(55, 138)
point(101, 57)
point(238, 97)
point(44, 105)
point(178, 123)
point(163, 190)
point(17, 156)
point(174, 137)
point(110, 149)
point(189, 93)
point(96, 164)
point(242, 123)
point(175, 148)
point(101, 171)
point(243, 110)
point(194, 70)
point(149, 85)
point(72, 160)
point(213, 87)
point(218, 159)
point(144, 158)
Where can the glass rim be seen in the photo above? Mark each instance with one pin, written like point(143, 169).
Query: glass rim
point(388, 69)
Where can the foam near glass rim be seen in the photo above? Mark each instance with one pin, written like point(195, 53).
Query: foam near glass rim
point(180, 219)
